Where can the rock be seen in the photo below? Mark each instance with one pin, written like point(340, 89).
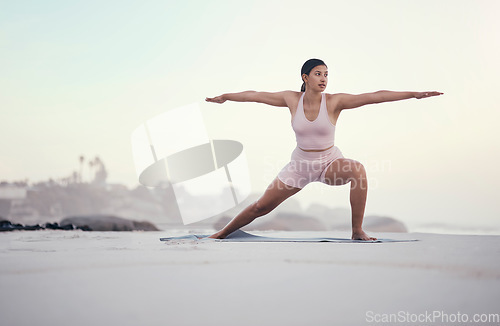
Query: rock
point(329, 215)
point(108, 223)
point(372, 223)
point(55, 226)
point(383, 224)
point(8, 226)
point(144, 226)
point(318, 218)
point(286, 221)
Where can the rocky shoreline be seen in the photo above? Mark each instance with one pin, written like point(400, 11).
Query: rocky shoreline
point(84, 223)
point(6, 226)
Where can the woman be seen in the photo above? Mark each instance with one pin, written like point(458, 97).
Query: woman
point(316, 158)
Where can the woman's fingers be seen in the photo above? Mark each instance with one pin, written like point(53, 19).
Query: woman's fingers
point(434, 93)
point(217, 99)
point(428, 94)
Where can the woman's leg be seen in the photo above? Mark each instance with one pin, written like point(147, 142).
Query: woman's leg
point(275, 194)
point(343, 171)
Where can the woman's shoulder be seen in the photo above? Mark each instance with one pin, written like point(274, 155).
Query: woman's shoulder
point(292, 95)
point(333, 98)
point(291, 98)
point(335, 95)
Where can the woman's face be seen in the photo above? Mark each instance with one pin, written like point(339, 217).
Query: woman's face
point(317, 79)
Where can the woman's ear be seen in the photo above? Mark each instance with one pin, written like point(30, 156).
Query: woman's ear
point(304, 77)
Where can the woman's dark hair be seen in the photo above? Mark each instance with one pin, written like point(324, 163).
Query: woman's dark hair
point(306, 69)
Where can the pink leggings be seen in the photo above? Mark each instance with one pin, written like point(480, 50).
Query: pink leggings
point(306, 167)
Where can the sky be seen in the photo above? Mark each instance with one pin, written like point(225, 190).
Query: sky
point(77, 77)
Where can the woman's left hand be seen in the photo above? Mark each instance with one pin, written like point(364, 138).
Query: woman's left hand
point(420, 95)
point(218, 99)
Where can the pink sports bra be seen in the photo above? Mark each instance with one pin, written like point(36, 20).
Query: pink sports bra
point(317, 134)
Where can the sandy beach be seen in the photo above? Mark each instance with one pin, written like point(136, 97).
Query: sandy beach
point(131, 278)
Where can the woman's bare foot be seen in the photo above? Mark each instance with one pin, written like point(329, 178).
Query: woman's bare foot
point(361, 235)
point(216, 236)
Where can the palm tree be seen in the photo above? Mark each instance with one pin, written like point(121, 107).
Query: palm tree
point(100, 174)
point(91, 166)
point(82, 159)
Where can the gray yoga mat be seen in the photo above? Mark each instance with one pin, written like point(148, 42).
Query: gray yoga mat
point(242, 236)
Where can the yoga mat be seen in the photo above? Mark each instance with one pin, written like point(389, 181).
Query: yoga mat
point(242, 236)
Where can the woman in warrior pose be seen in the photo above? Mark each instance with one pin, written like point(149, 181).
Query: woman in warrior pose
point(316, 158)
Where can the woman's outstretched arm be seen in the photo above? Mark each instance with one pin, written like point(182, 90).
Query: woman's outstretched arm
point(275, 99)
point(348, 101)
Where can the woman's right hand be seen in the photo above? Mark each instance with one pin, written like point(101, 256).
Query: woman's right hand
point(218, 99)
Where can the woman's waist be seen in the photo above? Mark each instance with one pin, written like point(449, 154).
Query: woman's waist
point(315, 150)
point(315, 144)
point(309, 155)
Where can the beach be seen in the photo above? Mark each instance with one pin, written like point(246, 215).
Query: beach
point(131, 278)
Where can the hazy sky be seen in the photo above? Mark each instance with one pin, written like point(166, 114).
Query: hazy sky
point(77, 77)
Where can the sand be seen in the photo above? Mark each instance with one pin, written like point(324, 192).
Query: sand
point(131, 278)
